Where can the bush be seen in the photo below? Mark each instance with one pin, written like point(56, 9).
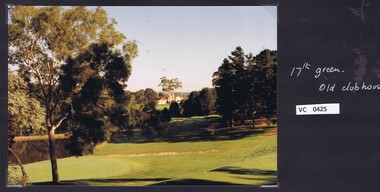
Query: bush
point(200, 102)
point(165, 115)
point(174, 109)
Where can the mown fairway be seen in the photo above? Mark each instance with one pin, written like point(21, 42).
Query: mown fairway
point(196, 151)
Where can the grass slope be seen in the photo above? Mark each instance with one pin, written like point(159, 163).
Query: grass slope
point(248, 160)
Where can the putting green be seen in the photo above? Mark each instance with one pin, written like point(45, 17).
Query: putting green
point(74, 168)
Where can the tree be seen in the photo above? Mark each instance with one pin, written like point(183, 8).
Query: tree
point(174, 109)
point(230, 86)
point(246, 86)
point(41, 39)
point(165, 115)
point(200, 102)
point(192, 105)
point(24, 112)
point(140, 109)
point(169, 86)
point(207, 98)
point(93, 82)
point(159, 121)
point(263, 75)
point(241, 84)
point(151, 98)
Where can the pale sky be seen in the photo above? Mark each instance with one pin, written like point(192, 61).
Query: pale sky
point(190, 43)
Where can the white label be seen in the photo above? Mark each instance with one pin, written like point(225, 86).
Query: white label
point(318, 109)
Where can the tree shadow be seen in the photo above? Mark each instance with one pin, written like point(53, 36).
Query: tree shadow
point(269, 176)
point(270, 181)
point(193, 182)
point(219, 135)
point(106, 180)
point(243, 171)
point(199, 129)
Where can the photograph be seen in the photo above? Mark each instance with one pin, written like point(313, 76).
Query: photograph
point(142, 95)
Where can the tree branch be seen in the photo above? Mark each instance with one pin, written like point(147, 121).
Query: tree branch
point(59, 122)
point(55, 95)
point(39, 97)
point(18, 161)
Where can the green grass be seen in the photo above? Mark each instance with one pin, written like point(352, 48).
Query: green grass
point(162, 106)
point(189, 119)
point(250, 160)
point(75, 168)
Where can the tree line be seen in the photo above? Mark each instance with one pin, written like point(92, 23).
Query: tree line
point(72, 73)
point(246, 86)
point(244, 89)
point(198, 103)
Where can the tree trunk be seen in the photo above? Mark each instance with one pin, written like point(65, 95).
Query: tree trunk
point(53, 157)
point(24, 175)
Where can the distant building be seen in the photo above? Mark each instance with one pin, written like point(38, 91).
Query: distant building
point(163, 100)
point(179, 99)
point(166, 99)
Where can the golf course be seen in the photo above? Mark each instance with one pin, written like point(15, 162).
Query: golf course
point(142, 96)
point(194, 151)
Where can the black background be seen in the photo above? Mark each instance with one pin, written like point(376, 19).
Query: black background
point(315, 153)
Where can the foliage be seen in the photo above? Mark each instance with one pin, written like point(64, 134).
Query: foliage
point(263, 91)
point(223, 82)
point(169, 86)
point(192, 106)
point(93, 82)
point(157, 121)
point(150, 100)
point(200, 102)
point(41, 39)
point(174, 109)
point(207, 100)
point(15, 179)
point(131, 49)
point(165, 115)
point(141, 111)
point(25, 114)
point(246, 86)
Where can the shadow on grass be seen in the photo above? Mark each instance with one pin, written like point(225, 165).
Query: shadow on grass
point(269, 176)
point(270, 181)
point(91, 181)
point(193, 182)
point(200, 129)
point(243, 171)
point(204, 135)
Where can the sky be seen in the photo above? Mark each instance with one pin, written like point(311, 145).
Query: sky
point(190, 43)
